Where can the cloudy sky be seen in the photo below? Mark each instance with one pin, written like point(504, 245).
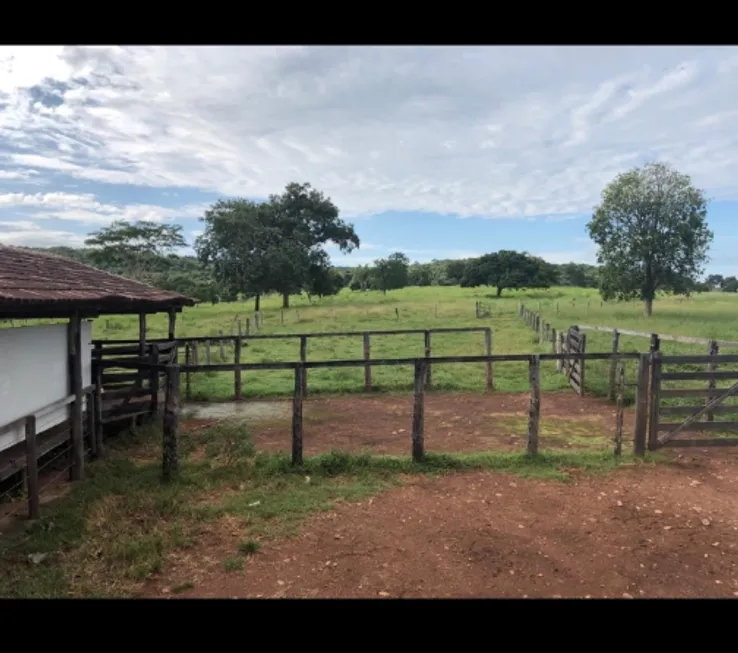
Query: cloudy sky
point(435, 151)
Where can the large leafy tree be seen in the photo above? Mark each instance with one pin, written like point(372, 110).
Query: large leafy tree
point(508, 269)
point(135, 249)
point(651, 231)
point(273, 246)
point(391, 273)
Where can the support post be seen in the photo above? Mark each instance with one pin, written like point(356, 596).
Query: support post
point(188, 361)
point(427, 347)
point(582, 350)
point(34, 501)
point(418, 445)
point(712, 367)
point(154, 379)
point(172, 324)
point(141, 346)
point(367, 364)
point(297, 417)
point(97, 398)
point(641, 416)
point(655, 399)
point(237, 388)
point(619, 409)
point(75, 358)
point(91, 423)
point(534, 409)
point(560, 350)
point(489, 385)
point(170, 437)
point(613, 365)
point(303, 359)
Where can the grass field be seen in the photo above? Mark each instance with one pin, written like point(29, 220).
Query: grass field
point(711, 315)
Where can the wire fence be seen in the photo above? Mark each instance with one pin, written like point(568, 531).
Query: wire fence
point(19, 504)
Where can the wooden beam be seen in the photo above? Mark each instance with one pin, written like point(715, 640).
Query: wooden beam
point(170, 437)
point(297, 418)
point(418, 427)
point(75, 374)
point(34, 501)
point(172, 324)
point(641, 416)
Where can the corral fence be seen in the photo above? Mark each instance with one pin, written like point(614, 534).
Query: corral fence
point(198, 352)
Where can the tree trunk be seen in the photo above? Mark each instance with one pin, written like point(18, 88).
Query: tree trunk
point(649, 307)
point(499, 290)
point(285, 300)
point(257, 302)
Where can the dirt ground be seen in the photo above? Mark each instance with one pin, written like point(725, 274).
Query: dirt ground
point(454, 423)
point(665, 531)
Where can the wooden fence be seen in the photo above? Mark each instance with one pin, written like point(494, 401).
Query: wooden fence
point(198, 351)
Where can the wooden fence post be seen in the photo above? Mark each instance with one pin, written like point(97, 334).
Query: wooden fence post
point(297, 417)
point(237, 389)
point(712, 367)
point(188, 361)
point(303, 359)
point(367, 365)
point(97, 398)
point(77, 470)
point(582, 350)
point(619, 409)
point(34, 501)
point(207, 352)
point(154, 379)
point(222, 347)
point(655, 399)
point(170, 438)
point(418, 447)
point(555, 343)
point(641, 416)
point(560, 350)
point(613, 365)
point(427, 347)
point(534, 410)
point(488, 364)
point(91, 423)
point(248, 325)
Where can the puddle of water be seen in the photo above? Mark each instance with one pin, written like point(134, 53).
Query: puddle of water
point(248, 411)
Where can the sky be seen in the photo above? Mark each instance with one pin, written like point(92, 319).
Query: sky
point(439, 152)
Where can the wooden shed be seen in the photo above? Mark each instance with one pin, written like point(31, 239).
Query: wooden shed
point(50, 377)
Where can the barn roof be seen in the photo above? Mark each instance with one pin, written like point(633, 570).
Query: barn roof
point(40, 284)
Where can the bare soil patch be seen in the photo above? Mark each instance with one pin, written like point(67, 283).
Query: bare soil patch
point(454, 423)
point(664, 531)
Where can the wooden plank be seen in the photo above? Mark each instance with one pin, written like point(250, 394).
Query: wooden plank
point(98, 402)
point(303, 360)
point(237, 386)
point(713, 350)
point(699, 376)
point(188, 361)
point(641, 416)
point(427, 353)
point(613, 365)
point(582, 363)
point(34, 499)
point(697, 426)
point(154, 380)
point(712, 442)
point(367, 364)
point(122, 393)
point(418, 426)
point(720, 359)
point(488, 365)
point(692, 392)
point(171, 324)
point(297, 424)
point(619, 407)
point(100, 351)
point(534, 407)
point(170, 435)
point(641, 334)
point(77, 470)
point(115, 378)
point(691, 420)
point(141, 342)
point(654, 400)
point(688, 410)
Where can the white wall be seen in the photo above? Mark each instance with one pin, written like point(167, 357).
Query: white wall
point(33, 374)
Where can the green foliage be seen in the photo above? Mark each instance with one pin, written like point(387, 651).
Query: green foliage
point(390, 273)
point(507, 269)
point(274, 246)
point(730, 284)
point(652, 234)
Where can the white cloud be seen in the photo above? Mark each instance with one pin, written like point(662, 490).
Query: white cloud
point(491, 131)
point(31, 234)
point(86, 209)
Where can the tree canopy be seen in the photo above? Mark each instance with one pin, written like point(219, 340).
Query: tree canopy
point(508, 269)
point(273, 246)
point(651, 231)
point(391, 273)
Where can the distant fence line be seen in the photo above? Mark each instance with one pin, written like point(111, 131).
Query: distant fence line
point(193, 357)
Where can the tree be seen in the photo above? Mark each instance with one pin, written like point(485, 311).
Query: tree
point(715, 281)
point(508, 269)
point(730, 284)
point(135, 250)
point(275, 245)
point(420, 274)
point(391, 273)
point(362, 278)
point(652, 234)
